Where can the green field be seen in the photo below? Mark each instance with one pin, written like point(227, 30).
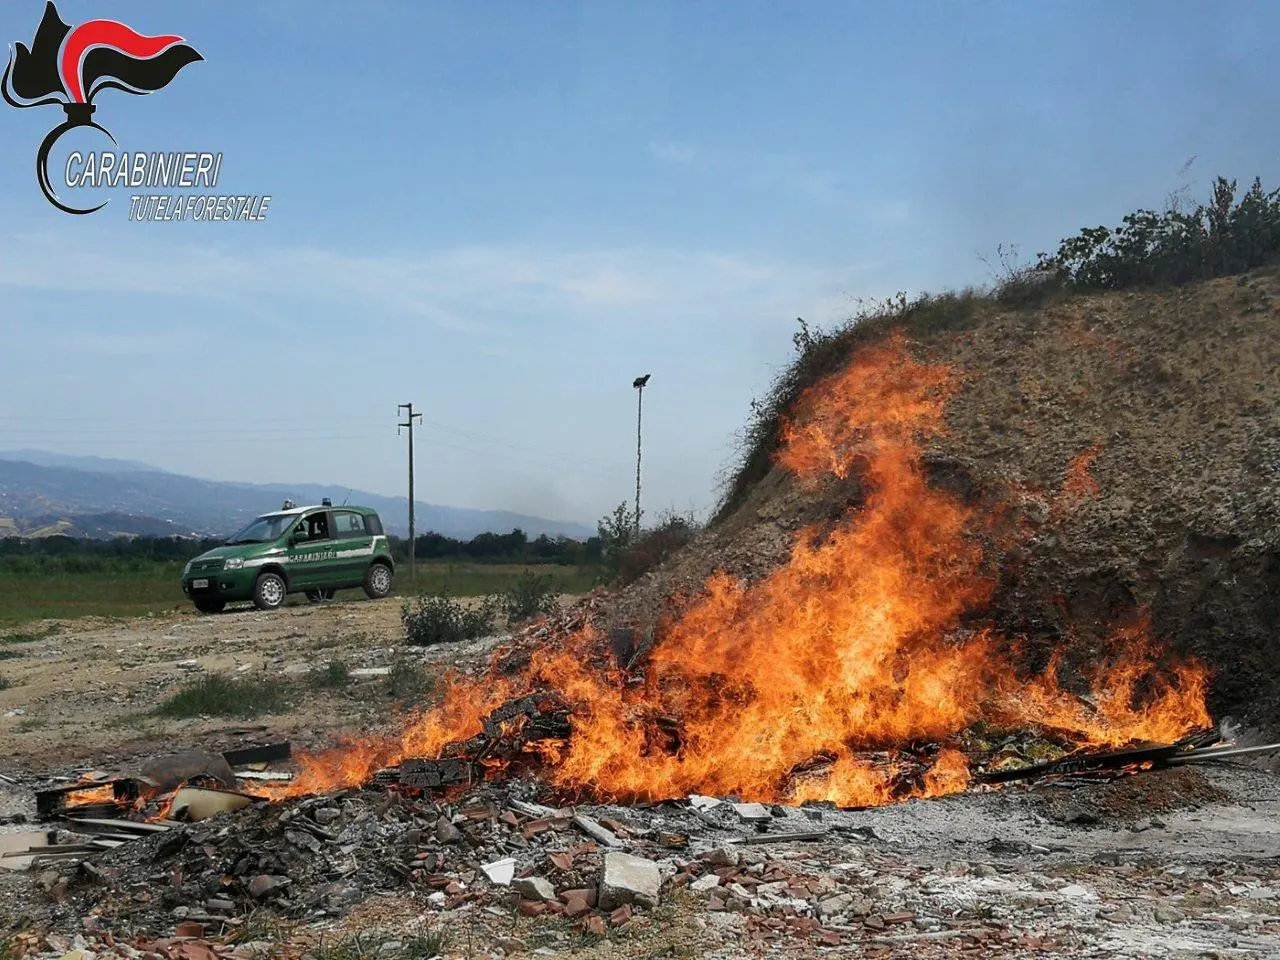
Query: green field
point(26, 596)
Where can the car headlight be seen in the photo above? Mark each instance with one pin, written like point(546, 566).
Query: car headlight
point(187, 568)
point(234, 563)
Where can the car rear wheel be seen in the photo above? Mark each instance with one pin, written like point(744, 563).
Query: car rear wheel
point(377, 581)
point(319, 596)
point(205, 605)
point(269, 591)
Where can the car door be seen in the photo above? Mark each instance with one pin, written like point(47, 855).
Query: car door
point(353, 543)
point(311, 553)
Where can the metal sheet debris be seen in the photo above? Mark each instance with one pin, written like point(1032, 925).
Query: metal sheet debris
point(199, 803)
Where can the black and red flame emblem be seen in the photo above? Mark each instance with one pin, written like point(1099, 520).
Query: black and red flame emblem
point(71, 65)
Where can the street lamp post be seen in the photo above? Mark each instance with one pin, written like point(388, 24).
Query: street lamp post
point(639, 384)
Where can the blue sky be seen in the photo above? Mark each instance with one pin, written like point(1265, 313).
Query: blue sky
point(504, 212)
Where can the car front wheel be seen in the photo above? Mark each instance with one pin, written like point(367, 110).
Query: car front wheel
point(269, 591)
point(377, 581)
point(210, 606)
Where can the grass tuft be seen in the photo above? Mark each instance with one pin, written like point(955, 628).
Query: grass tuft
point(216, 695)
point(374, 945)
point(334, 676)
point(261, 926)
point(409, 681)
point(439, 618)
point(27, 636)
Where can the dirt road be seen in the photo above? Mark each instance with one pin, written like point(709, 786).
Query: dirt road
point(85, 690)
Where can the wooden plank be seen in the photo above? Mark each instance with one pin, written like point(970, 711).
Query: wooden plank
point(94, 824)
point(60, 850)
point(595, 831)
point(53, 800)
point(780, 837)
point(263, 775)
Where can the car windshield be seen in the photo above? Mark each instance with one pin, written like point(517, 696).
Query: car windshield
point(264, 529)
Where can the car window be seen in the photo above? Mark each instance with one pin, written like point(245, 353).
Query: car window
point(314, 526)
point(348, 524)
point(263, 530)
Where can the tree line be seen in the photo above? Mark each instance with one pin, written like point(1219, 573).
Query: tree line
point(75, 555)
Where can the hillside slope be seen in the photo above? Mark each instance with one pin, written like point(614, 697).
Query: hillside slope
point(1134, 440)
point(31, 492)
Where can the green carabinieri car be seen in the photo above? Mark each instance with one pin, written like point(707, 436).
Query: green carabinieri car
point(313, 550)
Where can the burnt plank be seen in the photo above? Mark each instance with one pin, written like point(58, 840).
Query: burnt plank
point(264, 754)
point(434, 774)
point(52, 801)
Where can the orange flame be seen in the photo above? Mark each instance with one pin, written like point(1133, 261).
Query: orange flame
point(857, 643)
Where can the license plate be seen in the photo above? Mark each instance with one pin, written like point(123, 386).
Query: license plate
point(199, 584)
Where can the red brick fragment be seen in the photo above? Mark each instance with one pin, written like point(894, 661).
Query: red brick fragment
point(531, 908)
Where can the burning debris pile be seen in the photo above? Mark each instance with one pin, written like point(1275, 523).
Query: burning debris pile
point(857, 673)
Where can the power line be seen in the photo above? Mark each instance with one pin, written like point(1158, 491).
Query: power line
point(408, 422)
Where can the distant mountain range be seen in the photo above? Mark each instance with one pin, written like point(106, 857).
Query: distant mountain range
point(45, 493)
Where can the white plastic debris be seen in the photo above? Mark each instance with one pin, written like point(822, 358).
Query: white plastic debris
point(501, 872)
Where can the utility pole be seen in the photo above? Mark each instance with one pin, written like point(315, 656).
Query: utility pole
point(408, 422)
point(639, 383)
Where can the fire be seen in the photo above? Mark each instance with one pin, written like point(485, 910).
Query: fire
point(776, 690)
point(93, 794)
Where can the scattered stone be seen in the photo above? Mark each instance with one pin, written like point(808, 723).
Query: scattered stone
point(722, 857)
point(263, 884)
point(628, 879)
point(752, 812)
point(535, 888)
point(1076, 892)
point(837, 904)
point(446, 832)
point(704, 883)
point(861, 908)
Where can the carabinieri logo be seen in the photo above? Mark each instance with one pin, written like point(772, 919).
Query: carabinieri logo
point(70, 66)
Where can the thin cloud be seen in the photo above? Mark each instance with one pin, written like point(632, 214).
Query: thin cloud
point(482, 290)
point(768, 172)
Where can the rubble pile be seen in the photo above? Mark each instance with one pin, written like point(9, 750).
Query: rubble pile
point(984, 874)
point(598, 868)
